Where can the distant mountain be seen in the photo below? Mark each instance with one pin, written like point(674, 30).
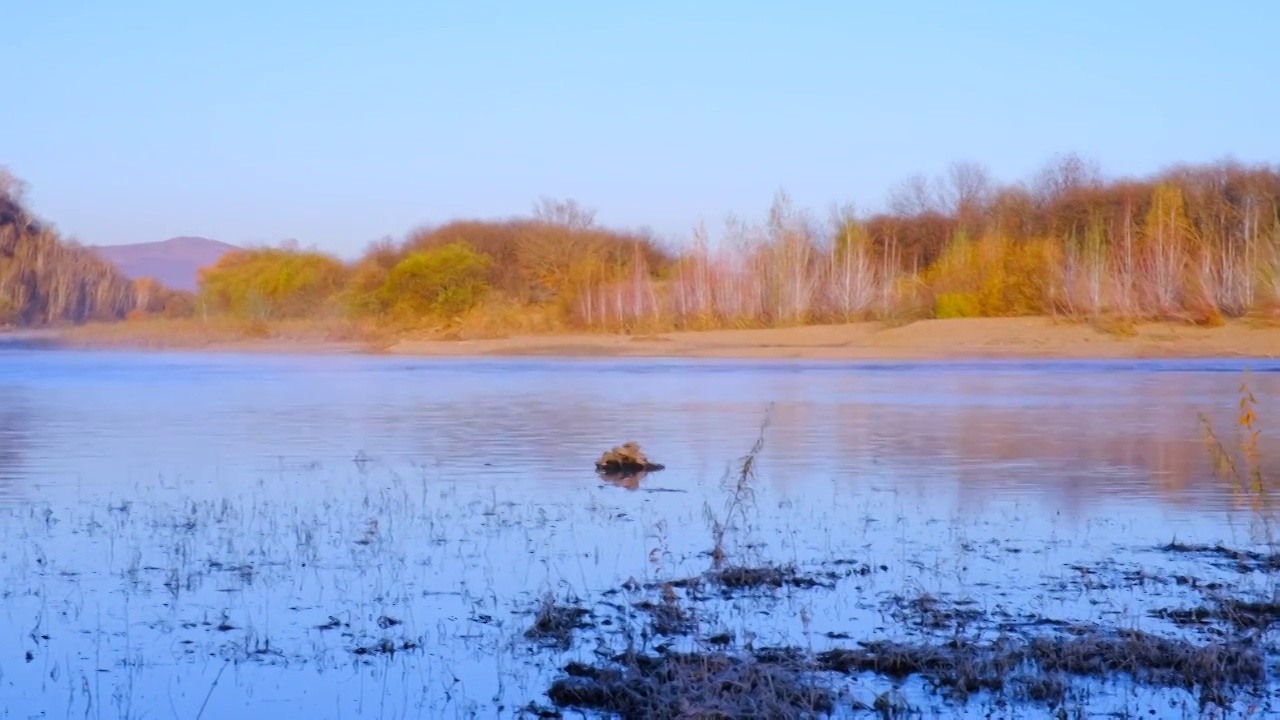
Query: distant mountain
point(173, 262)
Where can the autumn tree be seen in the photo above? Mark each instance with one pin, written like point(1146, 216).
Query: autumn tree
point(1193, 241)
point(271, 283)
point(151, 297)
point(46, 279)
point(550, 258)
point(965, 193)
point(366, 277)
point(442, 282)
point(1167, 236)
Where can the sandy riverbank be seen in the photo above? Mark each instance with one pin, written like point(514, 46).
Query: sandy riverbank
point(926, 339)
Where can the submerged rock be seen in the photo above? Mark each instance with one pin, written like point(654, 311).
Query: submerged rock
point(626, 458)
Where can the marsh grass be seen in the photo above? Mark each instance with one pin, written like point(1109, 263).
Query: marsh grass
point(1031, 659)
point(1241, 560)
point(555, 622)
point(969, 667)
point(701, 685)
point(959, 648)
point(1242, 465)
point(741, 495)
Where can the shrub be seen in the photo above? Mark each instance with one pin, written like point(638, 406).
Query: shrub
point(991, 277)
point(442, 282)
point(271, 283)
point(956, 305)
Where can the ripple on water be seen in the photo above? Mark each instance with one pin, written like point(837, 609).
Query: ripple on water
point(296, 527)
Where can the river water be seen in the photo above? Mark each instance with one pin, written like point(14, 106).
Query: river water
point(224, 535)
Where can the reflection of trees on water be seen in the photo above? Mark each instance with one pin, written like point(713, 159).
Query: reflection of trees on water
point(1072, 455)
point(14, 439)
point(1073, 441)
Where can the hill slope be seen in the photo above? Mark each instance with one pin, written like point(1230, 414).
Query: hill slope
point(173, 262)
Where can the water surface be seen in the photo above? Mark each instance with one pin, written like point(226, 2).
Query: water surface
point(219, 532)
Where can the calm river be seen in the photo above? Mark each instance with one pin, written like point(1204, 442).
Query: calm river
point(188, 535)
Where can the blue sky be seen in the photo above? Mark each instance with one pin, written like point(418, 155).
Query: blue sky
point(339, 123)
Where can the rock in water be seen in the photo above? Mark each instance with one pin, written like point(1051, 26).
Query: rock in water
point(626, 458)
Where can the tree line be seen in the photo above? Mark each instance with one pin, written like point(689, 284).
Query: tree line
point(1195, 243)
point(45, 280)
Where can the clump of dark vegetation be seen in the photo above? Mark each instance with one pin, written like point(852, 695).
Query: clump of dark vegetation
point(1249, 614)
point(668, 617)
point(955, 665)
point(967, 667)
point(736, 578)
point(1235, 613)
point(740, 577)
point(789, 682)
point(927, 611)
point(768, 576)
point(385, 646)
point(704, 685)
point(1241, 560)
point(554, 623)
point(1151, 659)
point(626, 458)
point(957, 648)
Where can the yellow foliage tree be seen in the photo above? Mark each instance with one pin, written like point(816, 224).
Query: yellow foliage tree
point(362, 293)
point(443, 282)
point(992, 277)
point(271, 283)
